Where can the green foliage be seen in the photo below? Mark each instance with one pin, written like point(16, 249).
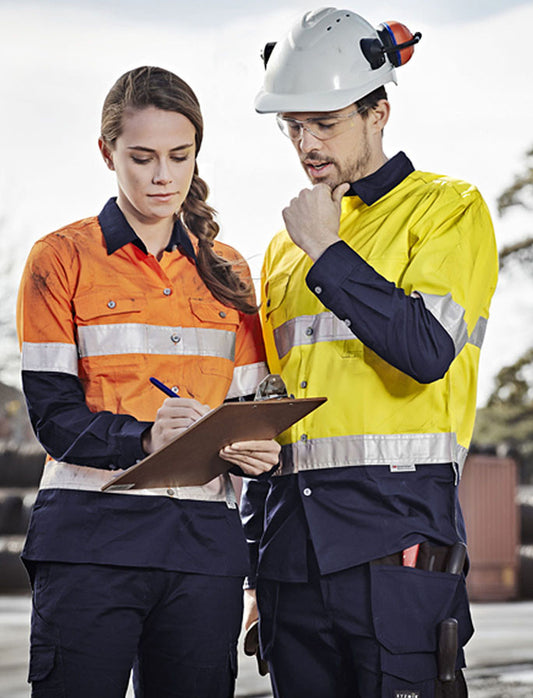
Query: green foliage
point(513, 384)
point(519, 193)
point(507, 421)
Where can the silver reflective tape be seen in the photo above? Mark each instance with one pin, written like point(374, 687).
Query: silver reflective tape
point(50, 356)
point(246, 379)
point(133, 338)
point(309, 329)
point(371, 449)
point(450, 315)
point(478, 333)
point(66, 476)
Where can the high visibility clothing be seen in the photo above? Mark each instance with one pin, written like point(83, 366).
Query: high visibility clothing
point(430, 236)
point(83, 311)
point(114, 318)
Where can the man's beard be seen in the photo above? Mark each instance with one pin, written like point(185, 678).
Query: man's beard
point(350, 172)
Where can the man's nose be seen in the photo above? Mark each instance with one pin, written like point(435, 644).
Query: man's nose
point(309, 142)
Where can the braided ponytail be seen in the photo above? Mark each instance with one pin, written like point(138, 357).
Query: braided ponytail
point(216, 272)
point(149, 86)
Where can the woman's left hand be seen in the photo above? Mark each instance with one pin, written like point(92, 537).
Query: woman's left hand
point(252, 457)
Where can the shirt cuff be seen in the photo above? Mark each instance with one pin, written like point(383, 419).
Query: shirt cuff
point(132, 450)
point(333, 267)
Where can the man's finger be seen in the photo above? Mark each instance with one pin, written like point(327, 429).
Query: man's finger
point(257, 445)
point(340, 191)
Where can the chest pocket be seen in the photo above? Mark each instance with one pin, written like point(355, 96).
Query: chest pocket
point(102, 320)
point(275, 292)
point(313, 319)
point(107, 307)
point(216, 328)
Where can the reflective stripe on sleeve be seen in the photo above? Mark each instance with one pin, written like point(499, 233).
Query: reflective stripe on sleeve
point(478, 333)
point(66, 476)
point(132, 338)
point(371, 449)
point(50, 356)
point(246, 379)
point(450, 315)
point(309, 329)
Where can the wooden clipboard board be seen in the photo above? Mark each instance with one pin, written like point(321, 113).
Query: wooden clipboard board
point(192, 458)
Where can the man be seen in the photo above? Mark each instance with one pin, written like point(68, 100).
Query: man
point(376, 295)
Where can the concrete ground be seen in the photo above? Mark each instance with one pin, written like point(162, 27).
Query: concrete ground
point(500, 656)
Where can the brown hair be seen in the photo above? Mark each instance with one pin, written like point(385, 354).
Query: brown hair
point(370, 100)
point(149, 86)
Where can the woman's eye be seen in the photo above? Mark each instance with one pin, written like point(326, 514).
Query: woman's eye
point(325, 127)
point(175, 158)
point(140, 161)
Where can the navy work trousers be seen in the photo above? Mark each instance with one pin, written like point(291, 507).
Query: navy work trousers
point(92, 623)
point(365, 632)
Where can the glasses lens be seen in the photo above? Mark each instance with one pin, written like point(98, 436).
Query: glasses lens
point(290, 128)
point(323, 129)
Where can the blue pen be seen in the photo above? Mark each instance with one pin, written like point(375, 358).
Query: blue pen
point(163, 388)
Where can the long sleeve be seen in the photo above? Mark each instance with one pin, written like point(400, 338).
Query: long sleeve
point(252, 515)
point(398, 327)
point(70, 432)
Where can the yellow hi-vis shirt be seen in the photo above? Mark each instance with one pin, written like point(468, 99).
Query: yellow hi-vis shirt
point(432, 237)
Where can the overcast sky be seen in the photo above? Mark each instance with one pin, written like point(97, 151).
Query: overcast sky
point(463, 107)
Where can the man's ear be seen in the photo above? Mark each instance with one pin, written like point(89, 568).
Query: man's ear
point(379, 115)
point(107, 153)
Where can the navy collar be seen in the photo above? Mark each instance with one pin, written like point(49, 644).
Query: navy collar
point(371, 188)
point(118, 232)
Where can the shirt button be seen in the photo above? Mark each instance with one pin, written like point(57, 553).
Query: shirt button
point(307, 492)
point(175, 338)
point(170, 492)
point(318, 290)
point(222, 313)
point(303, 437)
point(303, 384)
point(309, 331)
point(167, 291)
point(348, 322)
point(111, 304)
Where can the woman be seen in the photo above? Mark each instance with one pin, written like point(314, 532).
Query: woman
point(151, 578)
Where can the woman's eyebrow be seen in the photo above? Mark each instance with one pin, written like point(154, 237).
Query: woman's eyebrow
point(152, 150)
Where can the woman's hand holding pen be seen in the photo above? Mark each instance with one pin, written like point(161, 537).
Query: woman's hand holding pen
point(173, 417)
point(252, 457)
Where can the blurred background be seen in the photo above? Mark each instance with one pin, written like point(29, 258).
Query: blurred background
point(462, 107)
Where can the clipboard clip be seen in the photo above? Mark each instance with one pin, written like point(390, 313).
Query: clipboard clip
point(271, 387)
point(121, 486)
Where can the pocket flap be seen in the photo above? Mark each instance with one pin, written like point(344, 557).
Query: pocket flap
point(107, 304)
point(213, 312)
point(408, 605)
point(275, 292)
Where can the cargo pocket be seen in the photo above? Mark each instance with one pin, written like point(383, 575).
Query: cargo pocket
point(44, 657)
point(408, 605)
point(267, 595)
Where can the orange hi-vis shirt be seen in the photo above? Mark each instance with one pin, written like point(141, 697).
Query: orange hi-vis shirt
point(97, 317)
point(115, 317)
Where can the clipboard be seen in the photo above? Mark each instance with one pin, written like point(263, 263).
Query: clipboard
point(192, 459)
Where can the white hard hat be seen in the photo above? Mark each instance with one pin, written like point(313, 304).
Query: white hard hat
point(329, 59)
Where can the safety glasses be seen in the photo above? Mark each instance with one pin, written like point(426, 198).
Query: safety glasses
point(321, 127)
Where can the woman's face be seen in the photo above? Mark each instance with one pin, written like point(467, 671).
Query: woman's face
point(154, 160)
